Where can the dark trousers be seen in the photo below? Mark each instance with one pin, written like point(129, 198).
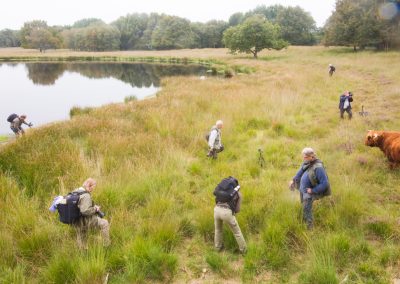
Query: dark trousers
point(307, 210)
point(213, 152)
point(349, 112)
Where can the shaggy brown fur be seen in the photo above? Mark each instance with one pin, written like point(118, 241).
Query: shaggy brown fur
point(388, 142)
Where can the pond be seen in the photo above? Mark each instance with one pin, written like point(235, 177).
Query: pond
point(46, 92)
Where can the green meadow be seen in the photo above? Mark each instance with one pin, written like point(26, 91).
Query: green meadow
point(155, 182)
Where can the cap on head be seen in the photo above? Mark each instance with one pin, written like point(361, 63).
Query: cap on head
point(309, 152)
point(330, 64)
point(219, 122)
point(23, 116)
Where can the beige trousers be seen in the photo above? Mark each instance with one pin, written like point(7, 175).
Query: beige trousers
point(222, 215)
point(95, 223)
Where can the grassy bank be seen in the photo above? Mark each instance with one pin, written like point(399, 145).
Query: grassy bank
point(155, 182)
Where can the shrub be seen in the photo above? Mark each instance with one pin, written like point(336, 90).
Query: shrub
point(62, 268)
point(218, 263)
point(13, 275)
point(147, 261)
point(92, 266)
point(380, 229)
point(130, 99)
point(79, 111)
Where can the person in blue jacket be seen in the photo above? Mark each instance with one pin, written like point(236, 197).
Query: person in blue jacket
point(345, 104)
point(312, 182)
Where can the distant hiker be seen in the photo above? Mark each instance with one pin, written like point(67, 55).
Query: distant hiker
point(215, 140)
point(345, 104)
point(16, 122)
point(228, 200)
point(91, 216)
point(312, 182)
point(331, 69)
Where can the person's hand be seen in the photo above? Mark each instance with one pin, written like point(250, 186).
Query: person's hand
point(97, 208)
point(309, 190)
point(30, 124)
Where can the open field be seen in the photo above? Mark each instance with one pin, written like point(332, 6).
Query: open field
point(155, 183)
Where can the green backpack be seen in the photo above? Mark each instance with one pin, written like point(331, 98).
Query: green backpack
point(314, 181)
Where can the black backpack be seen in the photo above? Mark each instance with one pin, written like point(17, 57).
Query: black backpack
point(11, 117)
point(226, 190)
point(68, 209)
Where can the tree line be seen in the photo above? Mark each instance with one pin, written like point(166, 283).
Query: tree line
point(356, 23)
point(155, 31)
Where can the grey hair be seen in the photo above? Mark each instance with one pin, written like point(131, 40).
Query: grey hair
point(219, 122)
point(309, 152)
point(89, 182)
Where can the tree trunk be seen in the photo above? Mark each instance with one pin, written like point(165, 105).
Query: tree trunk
point(354, 48)
point(255, 54)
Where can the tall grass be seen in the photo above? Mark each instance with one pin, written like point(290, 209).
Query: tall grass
point(155, 182)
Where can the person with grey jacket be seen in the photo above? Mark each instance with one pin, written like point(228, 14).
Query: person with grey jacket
point(215, 140)
point(16, 124)
point(91, 215)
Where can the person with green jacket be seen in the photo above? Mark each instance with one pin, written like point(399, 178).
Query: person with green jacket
point(91, 215)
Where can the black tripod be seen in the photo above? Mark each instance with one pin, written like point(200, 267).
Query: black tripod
point(261, 159)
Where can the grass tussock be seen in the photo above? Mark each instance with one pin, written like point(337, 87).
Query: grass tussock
point(155, 183)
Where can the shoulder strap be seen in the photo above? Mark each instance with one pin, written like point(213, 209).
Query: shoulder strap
point(311, 172)
point(78, 193)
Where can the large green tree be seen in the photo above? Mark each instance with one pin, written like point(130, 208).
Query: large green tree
point(9, 38)
point(172, 32)
point(36, 34)
point(358, 23)
point(209, 34)
point(132, 28)
point(253, 35)
point(95, 37)
point(297, 26)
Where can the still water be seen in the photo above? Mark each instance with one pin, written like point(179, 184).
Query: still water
point(46, 92)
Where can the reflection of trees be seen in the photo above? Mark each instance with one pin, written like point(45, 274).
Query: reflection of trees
point(45, 73)
point(137, 75)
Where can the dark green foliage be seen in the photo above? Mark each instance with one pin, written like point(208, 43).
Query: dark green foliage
point(93, 37)
point(297, 26)
point(87, 22)
point(359, 24)
point(36, 34)
point(9, 38)
point(132, 28)
point(253, 35)
point(172, 33)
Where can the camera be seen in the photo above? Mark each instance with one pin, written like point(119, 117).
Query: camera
point(101, 214)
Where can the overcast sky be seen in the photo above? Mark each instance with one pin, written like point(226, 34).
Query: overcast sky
point(65, 12)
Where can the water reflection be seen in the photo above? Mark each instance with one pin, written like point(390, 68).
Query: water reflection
point(137, 75)
point(47, 91)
